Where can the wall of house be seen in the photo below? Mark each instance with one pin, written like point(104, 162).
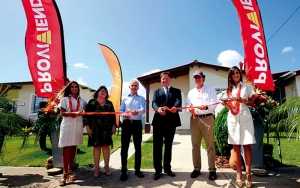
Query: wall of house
point(25, 101)
point(290, 88)
point(297, 88)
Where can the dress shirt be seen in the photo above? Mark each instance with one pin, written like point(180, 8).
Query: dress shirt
point(206, 95)
point(134, 102)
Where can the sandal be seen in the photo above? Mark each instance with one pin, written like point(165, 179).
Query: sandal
point(63, 181)
point(95, 175)
point(238, 180)
point(107, 171)
point(72, 177)
point(212, 176)
point(247, 181)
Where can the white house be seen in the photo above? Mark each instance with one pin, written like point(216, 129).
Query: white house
point(287, 84)
point(23, 93)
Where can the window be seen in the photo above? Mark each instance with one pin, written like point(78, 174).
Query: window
point(35, 101)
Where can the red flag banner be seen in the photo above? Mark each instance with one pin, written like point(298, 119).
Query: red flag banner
point(116, 72)
point(44, 46)
point(256, 59)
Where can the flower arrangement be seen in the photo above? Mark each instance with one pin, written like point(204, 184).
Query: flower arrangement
point(49, 117)
point(262, 105)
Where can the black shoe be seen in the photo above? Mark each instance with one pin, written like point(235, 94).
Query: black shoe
point(170, 173)
point(195, 174)
point(123, 177)
point(212, 176)
point(156, 176)
point(139, 174)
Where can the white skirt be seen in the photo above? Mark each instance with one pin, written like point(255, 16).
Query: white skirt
point(240, 127)
point(71, 132)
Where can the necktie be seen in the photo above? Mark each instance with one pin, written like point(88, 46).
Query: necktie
point(167, 94)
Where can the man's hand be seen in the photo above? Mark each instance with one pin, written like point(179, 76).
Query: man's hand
point(173, 110)
point(161, 111)
point(135, 112)
point(202, 107)
point(126, 116)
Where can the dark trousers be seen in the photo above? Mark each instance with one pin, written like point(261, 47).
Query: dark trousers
point(134, 128)
point(43, 137)
point(167, 133)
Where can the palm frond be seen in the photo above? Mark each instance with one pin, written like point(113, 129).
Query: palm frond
point(287, 116)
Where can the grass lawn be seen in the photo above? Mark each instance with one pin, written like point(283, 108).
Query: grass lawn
point(289, 150)
point(147, 156)
point(32, 155)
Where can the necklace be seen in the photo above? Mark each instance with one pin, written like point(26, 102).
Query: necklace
point(234, 105)
point(71, 106)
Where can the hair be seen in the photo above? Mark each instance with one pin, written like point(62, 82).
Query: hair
point(134, 80)
point(168, 73)
point(67, 90)
point(230, 81)
point(95, 95)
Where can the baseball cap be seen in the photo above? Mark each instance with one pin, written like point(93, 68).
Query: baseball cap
point(198, 73)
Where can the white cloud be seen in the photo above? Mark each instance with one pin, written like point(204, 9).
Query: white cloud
point(80, 66)
point(230, 58)
point(153, 71)
point(293, 59)
point(287, 49)
point(80, 81)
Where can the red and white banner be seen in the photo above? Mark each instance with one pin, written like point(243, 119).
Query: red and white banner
point(256, 59)
point(113, 63)
point(44, 46)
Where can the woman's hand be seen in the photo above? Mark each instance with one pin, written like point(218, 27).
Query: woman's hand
point(89, 131)
point(113, 130)
point(243, 101)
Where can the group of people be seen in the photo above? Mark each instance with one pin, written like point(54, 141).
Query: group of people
point(167, 102)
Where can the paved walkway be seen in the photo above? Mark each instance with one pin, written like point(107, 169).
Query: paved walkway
point(181, 166)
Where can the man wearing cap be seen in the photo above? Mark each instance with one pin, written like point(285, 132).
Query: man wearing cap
point(202, 123)
point(165, 120)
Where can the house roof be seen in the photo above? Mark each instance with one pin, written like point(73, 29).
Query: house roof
point(18, 85)
point(277, 75)
point(176, 72)
point(184, 70)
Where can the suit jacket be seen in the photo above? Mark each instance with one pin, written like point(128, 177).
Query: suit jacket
point(159, 100)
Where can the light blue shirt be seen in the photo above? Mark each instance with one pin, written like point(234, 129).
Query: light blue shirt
point(135, 102)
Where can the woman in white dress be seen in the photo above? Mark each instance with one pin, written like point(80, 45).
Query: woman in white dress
point(240, 122)
point(71, 128)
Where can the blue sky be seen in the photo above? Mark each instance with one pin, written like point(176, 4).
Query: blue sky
point(148, 36)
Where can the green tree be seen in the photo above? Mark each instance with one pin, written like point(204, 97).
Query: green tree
point(10, 123)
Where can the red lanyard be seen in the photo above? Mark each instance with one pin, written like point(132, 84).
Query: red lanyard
point(70, 104)
point(234, 105)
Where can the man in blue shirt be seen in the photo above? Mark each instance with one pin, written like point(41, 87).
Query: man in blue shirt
point(133, 107)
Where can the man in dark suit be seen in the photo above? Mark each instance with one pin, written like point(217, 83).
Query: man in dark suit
point(164, 123)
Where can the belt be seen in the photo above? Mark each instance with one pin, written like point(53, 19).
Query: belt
point(204, 115)
point(132, 121)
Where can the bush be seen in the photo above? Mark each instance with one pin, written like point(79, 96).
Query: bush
point(221, 134)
